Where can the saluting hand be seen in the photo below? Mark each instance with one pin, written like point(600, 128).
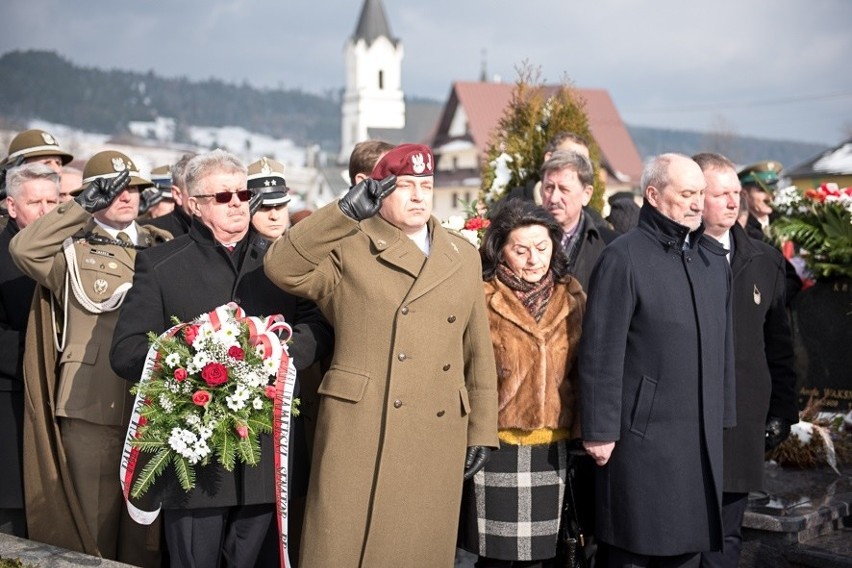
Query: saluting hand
point(364, 199)
point(101, 192)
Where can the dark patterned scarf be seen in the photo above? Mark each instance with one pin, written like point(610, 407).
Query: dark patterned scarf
point(533, 295)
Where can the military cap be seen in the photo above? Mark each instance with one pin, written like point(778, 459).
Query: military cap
point(266, 176)
point(405, 160)
point(762, 174)
point(34, 143)
point(108, 164)
point(161, 176)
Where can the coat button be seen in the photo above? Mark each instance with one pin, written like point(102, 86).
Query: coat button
point(401, 356)
point(689, 259)
point(451, 319)
point(404, 310)
point(447, 367)
point(397, 403)
point(440, 413)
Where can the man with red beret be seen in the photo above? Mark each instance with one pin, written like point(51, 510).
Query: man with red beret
point(408, 407)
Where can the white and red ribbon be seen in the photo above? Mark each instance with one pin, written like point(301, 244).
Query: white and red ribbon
point(271, 333)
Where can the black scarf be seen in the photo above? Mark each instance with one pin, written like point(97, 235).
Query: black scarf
point(533, 295)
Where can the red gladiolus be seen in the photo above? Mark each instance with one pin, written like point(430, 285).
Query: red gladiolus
point(201, 398)
point(180, 375)
point(476, 224)
point(242, 430)
point(214, 374)
point(237, 353)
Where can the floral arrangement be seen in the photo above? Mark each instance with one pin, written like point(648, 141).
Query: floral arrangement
point(819, 221)
point(209, 395)
point(472, 225)
point(818, 438)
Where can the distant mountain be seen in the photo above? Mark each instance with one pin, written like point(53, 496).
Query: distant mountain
point(43, 85)
point(741, 150)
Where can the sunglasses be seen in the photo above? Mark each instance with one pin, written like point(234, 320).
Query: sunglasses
point(226, 196)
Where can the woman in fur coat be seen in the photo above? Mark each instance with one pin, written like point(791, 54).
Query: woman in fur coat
point(511, 510)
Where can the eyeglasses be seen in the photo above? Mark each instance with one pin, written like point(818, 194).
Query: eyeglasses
point(226, 196)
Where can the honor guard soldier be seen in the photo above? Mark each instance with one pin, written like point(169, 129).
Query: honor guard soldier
point(272, 215)
point(82, 253)
point(158, 200)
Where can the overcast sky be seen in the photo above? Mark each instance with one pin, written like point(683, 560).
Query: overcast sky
point(776, 69)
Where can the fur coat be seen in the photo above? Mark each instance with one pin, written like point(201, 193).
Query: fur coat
point(536, 361)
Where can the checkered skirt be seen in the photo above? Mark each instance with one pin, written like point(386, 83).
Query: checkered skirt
point(511, 508)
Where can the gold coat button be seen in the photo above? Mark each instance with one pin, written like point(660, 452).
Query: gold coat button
point(451, 319)
point(401, 356)
point(397, 403)
point(440, 413)
point(404, 310)
point(447, 367)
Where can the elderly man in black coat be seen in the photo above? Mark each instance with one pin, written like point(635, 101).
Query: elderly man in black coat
point(224, 520)
point(763, 350)
point(656, 377)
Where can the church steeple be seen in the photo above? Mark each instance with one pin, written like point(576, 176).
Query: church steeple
point(373, 23)
point(373, 97)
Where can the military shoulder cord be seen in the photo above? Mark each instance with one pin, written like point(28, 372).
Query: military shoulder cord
point(93, 239)
point(110, 304)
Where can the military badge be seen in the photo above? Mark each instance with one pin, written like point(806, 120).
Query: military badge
point(265, 169)
point(90, 260)
point(417, 163)
point(118, 165)
point(756, 295)
point(100, 286)
point(48, 139)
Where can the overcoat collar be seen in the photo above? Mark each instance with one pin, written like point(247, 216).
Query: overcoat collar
point(249, 250)
point(672, 235)
point(395, 248)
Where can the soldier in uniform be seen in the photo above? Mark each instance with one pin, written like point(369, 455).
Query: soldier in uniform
point(272, 217)
point(758, 182)
point(83, 254)
point(179, 220)
point(158, 200)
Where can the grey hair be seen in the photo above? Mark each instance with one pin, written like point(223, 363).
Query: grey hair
point(562, 159)
point(29, 172)
point(178, 170)
point(202, 165)
point(656, 172)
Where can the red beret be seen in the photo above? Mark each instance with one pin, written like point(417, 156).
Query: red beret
point(405, 160)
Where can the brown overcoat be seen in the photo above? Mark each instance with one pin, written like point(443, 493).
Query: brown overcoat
point(412, 384)
point(78, 382)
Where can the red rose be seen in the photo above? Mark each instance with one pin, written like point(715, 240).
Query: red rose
point(237, 353)
point(270, 391)
point(242, 430)
point(214, 374)
point(180, 375)
point(201, 397)
point(190, 332)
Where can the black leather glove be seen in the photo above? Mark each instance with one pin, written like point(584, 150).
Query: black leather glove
point(102, 192)
point(364, 199)
point(255, 202)
point(4, 169)
point(149, 197)
point(476, 458)
point(777, 430)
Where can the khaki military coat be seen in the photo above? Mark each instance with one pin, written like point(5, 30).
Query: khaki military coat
point(84, 385)
point(412, 384)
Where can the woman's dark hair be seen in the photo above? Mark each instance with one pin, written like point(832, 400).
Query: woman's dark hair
point(510, 215)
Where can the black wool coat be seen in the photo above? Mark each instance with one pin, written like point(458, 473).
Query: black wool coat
point(194, 274)
point(656, 376)
point(178, 222)
point(763, 347)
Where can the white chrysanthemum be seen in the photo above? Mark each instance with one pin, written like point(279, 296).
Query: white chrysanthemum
point(235, 403)
point(200, 359)
point(173, 360)
point(205, 331)
point(204, 432)
point(454, 222)
point(257, 404)
point(271, 365)
point(228, 335)
point(192, 420)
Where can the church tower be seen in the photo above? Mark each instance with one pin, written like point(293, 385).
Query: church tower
point(373, 96)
